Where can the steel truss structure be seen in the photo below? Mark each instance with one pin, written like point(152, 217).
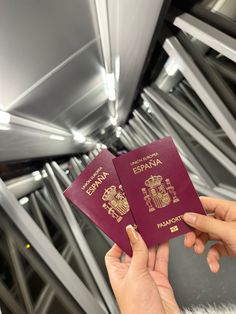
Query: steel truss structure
point(47, 237)
point(192, 101)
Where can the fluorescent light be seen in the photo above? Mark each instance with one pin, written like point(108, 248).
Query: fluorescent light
point(24, 200)
point(37, 176)
point(113, 121)
point(117, 67)
point(5, 117)
point(44, 173)
point(146, 104)
point(110, 86)
point(118, 131)
point(4, 128)
point(79, 137)
point(103, 131)
point(57, 137)
point(171, 67)
point(89, 142)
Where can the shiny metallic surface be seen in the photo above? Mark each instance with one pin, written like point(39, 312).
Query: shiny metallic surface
point(207, 34)
point(37, 37)
point(130, 40)
point(205, 91)
point(46, 251)
point(79, 76)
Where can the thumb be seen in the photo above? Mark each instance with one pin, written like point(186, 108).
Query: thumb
point(206, 224)
point(140, 251)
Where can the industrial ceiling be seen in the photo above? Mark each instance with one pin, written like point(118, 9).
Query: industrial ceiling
point(69, 69)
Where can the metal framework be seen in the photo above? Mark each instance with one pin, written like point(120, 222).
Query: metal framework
point(81, 289)
point(192, 101)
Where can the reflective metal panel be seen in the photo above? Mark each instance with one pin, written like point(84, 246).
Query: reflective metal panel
point(35, 37)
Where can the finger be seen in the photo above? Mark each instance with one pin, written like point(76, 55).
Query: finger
point(152, 257)
point(162, 258)
point(113, 255)
point(214, 254)
point(206, 224)
point(127, 259)
point(200, 243)
point(222, 208)
point(140, 251)
point(189, 239)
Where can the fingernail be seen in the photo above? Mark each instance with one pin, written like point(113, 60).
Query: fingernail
point(211, 267)
point(132, 234)
point(214, 268)
point(190, 218)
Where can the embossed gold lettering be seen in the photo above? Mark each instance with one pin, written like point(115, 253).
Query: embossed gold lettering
point(170, 221)
point(99, 179)
point(148, 165)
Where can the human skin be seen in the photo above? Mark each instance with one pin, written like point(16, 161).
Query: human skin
point(220, 225)
point(140, 283)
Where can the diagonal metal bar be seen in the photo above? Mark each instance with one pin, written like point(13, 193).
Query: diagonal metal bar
point(143, 125)
point(141, 114)
point(125, 142)
point(197, 123)
point(86, 160)
point(79, 163)
point(139, 131)
point(46, 296)
point(198, 105)
point(132, 135)
point(38, 215)
point(200, 169)
point(202, 87)
point(160, 98)
point(75, 166)
point(60, 174)
point(9, 301)
point(128, 139)
point(59, 221)
point(222, 23)
point(214, 78)
point(81, 242)
point(38, 266)
point(209, 35)
point(18, 271)
point(130, 130)
point(56, 264)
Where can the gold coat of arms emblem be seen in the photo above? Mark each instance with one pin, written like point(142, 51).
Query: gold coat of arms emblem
point(116, 202)
point(158, 193)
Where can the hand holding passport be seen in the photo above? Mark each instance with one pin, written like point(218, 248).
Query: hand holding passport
point(148, 187)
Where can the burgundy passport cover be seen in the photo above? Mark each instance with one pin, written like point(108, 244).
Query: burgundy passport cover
point(158, 189)
point(98, 194)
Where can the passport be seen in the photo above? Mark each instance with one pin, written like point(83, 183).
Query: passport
point(97, 192)
point(158, 189)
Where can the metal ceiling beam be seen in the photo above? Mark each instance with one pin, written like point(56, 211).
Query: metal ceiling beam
point(130, 39)
point(44, 248)
point(210, 73)
point(209, 35)
point(81, 242)
point(172, 131)
point(18, 270)
point(159, 98)
point(201, 86)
